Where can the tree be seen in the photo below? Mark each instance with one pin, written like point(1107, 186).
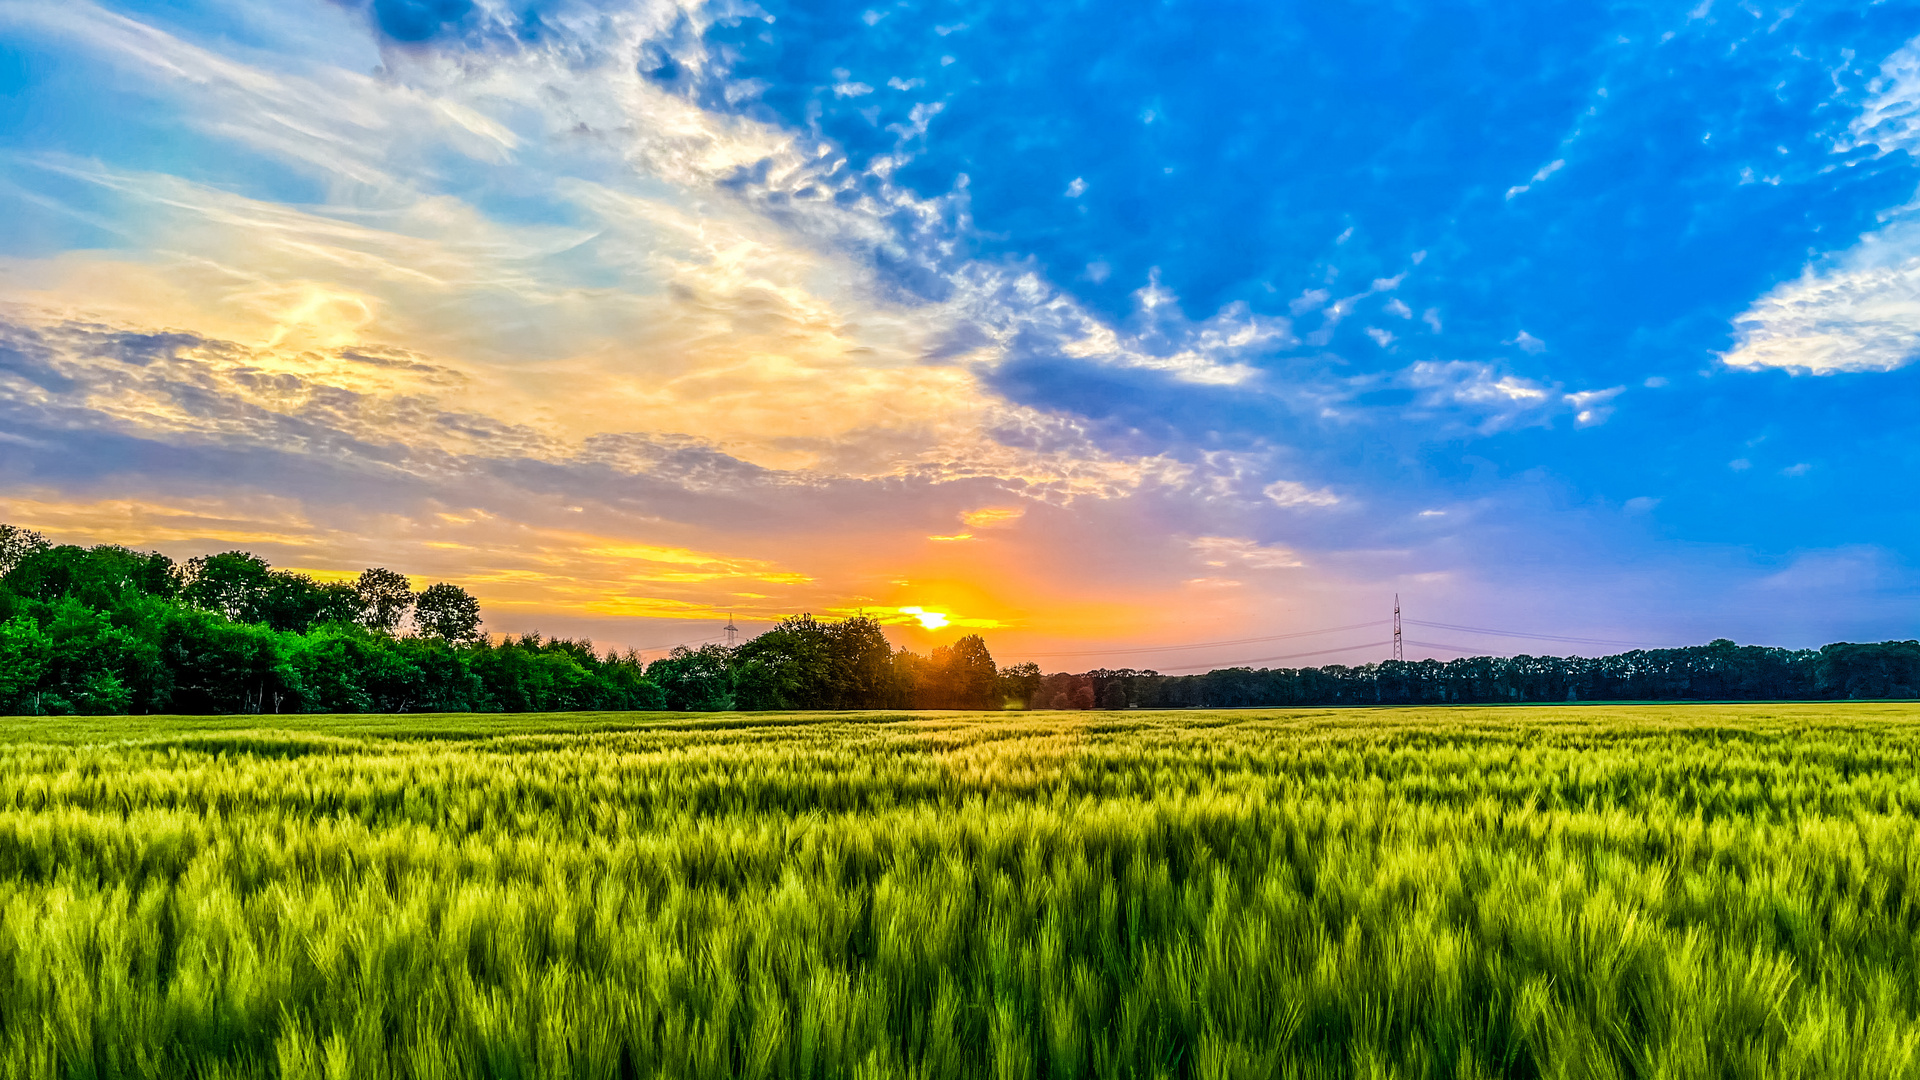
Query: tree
point(447, 612)
point(788, 667)
point(24, 654)
point(626, 677)
point(297, 603)
point(221, 666)
point(385, 599)
point(102, 577)
point(861, 673)
point(16, 544)
point(233, 583)
point(960, 676)
point(1887, 669)
point(1018, 685)
point(695, 680)
point(910, 672)
point(96, 666)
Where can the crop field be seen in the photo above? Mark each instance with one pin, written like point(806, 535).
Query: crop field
point(1597, 891)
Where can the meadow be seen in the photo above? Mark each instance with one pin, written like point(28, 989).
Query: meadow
point(1594, 891)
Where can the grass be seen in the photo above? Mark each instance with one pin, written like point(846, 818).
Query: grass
point(1655, 891)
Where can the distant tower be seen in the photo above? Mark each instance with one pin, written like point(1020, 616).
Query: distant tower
point(734, 631)
point(1398, 654)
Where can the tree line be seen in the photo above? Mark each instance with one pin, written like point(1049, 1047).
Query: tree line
point(107, 629)
point(1718, 671)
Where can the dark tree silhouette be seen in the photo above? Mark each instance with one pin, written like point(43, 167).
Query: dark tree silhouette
point(1019, 684)
point(16, 544)
point(969, 676)
point(233, 583)
point(385, 599)
point(447, 612)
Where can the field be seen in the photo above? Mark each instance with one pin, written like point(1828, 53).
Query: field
point(1671, 891)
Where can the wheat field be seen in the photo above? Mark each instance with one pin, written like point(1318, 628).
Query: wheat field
point(1650, 891)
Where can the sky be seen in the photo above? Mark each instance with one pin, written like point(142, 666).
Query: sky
point(1095, 329)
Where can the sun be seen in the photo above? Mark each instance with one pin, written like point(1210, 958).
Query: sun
point(931, 620)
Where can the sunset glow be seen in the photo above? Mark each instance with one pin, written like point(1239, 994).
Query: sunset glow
point(930, 620)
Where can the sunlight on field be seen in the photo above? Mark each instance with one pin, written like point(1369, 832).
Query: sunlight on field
point(1604, 891)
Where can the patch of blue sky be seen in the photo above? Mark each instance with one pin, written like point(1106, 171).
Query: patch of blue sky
point(323, 32)
point(1254, 153)
point(66, 105)
point(1592, 194)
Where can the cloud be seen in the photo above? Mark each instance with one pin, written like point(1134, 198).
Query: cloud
point(1890, 119)
point(1308, 300)
point(1293, 493)
point(1591, 406)
point(1866, 318)
point(1489, 398)
point(1852, 569)
point(1225, 551)
point(1542, 173)
point(993, 517)
point(1861, 311)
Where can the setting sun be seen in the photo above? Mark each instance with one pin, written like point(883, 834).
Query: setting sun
point(931, 620)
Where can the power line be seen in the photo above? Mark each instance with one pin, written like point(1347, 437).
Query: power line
point(1532, 637)
point(677, 644)
point(1443, 646)
point(1293, 656)
point(1121, 649)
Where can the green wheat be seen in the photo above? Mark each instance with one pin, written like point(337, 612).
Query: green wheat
point(1596, 892)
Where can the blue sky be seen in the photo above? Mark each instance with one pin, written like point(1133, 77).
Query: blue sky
point(1088, 326)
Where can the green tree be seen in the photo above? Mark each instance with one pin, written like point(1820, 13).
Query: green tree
point(788, 667)
point(102, 577)
point(220, 666)
point(297, 603)
point(533, 674)
point(446, 682)
point(330, 665)
point(626, 677)
point(24, 655)
point(695, 680)
point(97, 666)
point(385, 599)
point(447, 612)
point(234, 583)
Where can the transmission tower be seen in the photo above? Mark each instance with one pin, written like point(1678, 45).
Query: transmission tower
point(733, 631)
point(1397, 653)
